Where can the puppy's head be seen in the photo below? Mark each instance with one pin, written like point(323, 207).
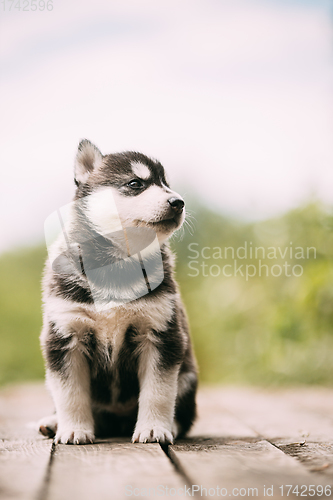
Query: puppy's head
point(129, 188)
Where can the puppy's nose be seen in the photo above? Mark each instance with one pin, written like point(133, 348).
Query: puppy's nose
point(177, 204)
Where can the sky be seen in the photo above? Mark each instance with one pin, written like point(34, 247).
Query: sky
point(234, 97)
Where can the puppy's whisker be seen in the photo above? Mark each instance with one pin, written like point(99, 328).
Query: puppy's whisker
point(189, 223)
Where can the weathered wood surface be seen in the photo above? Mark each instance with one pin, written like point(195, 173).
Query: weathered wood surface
point(245, 443)
point(255, 440)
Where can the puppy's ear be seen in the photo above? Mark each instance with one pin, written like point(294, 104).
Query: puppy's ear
point(88, 158)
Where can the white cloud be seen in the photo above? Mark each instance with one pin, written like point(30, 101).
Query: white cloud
point(233, 97)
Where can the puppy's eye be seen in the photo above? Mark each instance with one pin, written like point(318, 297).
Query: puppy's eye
point(135, 184)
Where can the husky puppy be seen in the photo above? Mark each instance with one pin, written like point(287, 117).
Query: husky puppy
point(127, 369)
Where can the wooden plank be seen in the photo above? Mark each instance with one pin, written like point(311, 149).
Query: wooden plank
point(317, 400)
point(113, 468)
point(24, 455)
point(244, 438)
point(241, 457)
point(92, 471)
point(298, 421)
point(242, 463)
point(215, 420)
point(21, 406)
point(315, 456)
point(23, 466)
point(286, 413)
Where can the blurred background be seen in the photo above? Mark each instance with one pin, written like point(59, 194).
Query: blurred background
point(234, 97)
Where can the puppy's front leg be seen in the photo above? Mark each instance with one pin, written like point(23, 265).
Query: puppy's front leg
point(70, 389)
point(158, 392)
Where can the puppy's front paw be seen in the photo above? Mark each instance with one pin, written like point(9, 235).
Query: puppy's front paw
point(74, 436)
point(154, 433)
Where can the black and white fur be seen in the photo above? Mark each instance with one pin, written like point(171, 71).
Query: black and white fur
point(129, 369)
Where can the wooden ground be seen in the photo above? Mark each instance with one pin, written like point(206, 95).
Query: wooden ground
point(246, 443)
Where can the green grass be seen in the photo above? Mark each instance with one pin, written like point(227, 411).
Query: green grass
point(264, 330)
point(20, 312)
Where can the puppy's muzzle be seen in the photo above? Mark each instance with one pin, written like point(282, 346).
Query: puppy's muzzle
point(177, 204)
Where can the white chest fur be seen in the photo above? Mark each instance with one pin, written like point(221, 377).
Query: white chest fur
point(110, 326)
